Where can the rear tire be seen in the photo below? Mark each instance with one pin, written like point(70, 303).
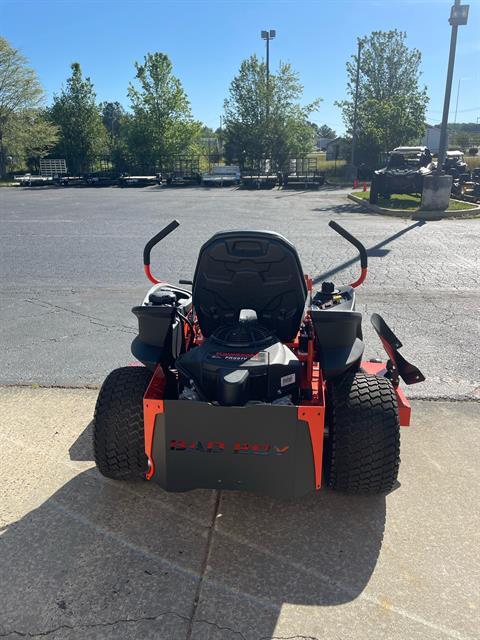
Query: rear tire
point(118, 434)
point(362, 451)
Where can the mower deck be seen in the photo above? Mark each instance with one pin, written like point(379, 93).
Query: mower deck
point(268, 449)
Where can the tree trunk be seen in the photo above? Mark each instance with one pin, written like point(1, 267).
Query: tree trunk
point(3, 159)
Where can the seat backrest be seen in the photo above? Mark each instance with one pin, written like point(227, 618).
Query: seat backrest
point(257, 270)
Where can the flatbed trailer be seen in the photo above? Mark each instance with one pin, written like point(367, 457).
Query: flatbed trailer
point(138, 181)
point(302, 173)
point(303, 181)
point(251, 180)
point(182, 171)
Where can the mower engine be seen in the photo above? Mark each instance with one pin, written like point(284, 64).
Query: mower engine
point(238, 364)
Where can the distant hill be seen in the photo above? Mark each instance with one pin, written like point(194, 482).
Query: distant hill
point(467, 127)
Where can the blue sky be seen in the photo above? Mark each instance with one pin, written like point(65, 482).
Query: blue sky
point(207, 40)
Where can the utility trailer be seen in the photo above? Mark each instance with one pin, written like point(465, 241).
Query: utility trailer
point(256, 180)
point(259, 176)
point(101, 179)
point(222, 176)
point(53, 171)
point(29, 180)
point(137, 181)
point(302, 173)
point(182, 172)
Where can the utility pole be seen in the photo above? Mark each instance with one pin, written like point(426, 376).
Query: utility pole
point(458, 16)
point(355, 108)
point(456, 105)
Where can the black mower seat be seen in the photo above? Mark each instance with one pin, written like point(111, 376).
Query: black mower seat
point(258, 270)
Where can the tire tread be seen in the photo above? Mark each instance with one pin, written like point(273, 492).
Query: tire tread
point(118, 432)
point(363, 446)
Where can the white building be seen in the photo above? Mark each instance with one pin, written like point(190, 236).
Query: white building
point(431, 139)
point(322, 143)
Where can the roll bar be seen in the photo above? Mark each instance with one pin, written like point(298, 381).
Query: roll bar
point(361, 249)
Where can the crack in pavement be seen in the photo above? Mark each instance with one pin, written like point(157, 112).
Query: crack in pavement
point(206, 558)
point(94, 625)
point(92, 319)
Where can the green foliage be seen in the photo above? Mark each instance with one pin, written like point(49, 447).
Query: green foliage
point(113, 118)
point(324, 131)
point(82, 134)
point(263, 122)
point(162, 124)
point(463, 135)
point(116, 122)
point(30, 136)
point(23, 129)
point(410, 202)
point(391, 101)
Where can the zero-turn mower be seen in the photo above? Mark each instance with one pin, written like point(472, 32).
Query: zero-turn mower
point(252, 380)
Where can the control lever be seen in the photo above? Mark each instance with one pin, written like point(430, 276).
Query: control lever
point(151, 243)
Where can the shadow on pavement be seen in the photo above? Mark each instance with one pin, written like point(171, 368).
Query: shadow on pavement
point(344, 208)
point(376, 251)
point(127, 555)
point(81, 449)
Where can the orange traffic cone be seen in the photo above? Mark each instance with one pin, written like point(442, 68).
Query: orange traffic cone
point(364, 185)
point(355, 184)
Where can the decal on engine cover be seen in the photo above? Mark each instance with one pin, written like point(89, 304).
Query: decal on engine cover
point(234, 356)
point(248, 448)
point(286, 380)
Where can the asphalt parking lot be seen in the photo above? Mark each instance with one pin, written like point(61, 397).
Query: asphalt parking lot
point(71, 265)
point(86, 558)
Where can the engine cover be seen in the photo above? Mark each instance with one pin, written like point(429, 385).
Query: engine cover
point(241, 363)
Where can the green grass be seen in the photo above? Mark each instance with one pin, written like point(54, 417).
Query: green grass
point(7, 183)
point(407, 202)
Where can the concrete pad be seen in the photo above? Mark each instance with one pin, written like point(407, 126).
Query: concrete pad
point(82, 557)
point(333, 566)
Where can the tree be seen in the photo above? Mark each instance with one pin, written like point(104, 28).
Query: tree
point(391, 101)
point(326, 132)
point(162, 125)
point(266, 123)
point(23, 130)
point(113, 116)
point(82, 134)
point(30, 136)
point(116, 122)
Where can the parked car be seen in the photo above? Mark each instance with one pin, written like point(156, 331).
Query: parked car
point(222, 176)
point(404, 173)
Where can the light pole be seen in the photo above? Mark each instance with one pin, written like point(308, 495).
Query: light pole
point(267, 36)
point(458, 17)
